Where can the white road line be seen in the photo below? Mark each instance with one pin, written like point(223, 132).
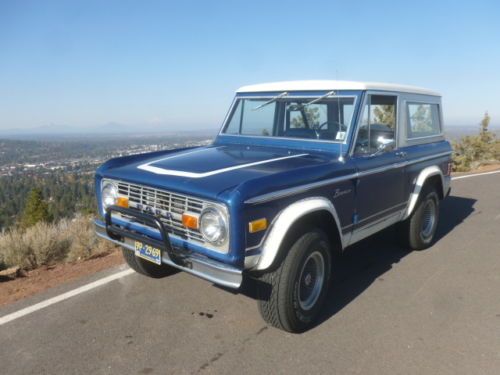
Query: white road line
point(61, 297)
point(474, 175)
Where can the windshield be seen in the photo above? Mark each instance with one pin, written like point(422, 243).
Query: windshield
point(326, 118)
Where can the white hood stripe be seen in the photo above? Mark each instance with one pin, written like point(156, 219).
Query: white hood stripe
point(171, 172)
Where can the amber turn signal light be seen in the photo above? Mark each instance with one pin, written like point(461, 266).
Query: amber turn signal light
point(122, 202)
point(190, 221)
point(257, 225)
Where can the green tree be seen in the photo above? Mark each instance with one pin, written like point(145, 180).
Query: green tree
point(384, 114)
point(422, 119)
point(485, 135)
point(312, 114)
point(476, 150)
point(35, 210)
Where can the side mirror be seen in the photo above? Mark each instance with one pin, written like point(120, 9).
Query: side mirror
point(385, 144)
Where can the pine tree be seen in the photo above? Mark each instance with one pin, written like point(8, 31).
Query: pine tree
point(486, 135)
point(35, 210)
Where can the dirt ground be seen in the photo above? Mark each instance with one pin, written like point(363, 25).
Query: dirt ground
point(44, 278)
point(481, 169)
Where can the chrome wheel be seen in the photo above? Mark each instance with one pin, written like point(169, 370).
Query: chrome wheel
point(428, 220)
point(311, 280)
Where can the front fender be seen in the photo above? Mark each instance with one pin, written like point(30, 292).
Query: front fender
point(284, 222)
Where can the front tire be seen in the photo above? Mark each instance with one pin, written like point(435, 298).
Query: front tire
point(145, 267)
point(419, 230)
point(299, 285)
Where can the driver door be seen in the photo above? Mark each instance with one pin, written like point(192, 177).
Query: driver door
point(380, 188)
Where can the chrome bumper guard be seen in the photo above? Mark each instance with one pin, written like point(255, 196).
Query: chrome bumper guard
point(195, 264)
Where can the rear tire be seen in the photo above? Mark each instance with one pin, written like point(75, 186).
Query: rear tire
point(419, 230)
point(145, 267)
point(298, 287)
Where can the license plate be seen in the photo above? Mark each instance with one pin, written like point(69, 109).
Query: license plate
point(148, 252)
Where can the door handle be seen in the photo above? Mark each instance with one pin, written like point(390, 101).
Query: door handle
point(401, 154)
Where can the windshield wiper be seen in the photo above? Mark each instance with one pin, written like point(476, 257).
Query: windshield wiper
point(318, 99)
point(271, 101)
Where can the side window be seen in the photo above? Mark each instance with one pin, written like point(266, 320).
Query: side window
point(377, 130)
point(423, 120)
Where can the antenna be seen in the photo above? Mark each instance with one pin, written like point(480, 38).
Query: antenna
point(341, 155)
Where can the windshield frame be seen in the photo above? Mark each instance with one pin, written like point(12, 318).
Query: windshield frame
point(291, 95)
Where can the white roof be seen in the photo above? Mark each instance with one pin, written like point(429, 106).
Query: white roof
point(323, 85)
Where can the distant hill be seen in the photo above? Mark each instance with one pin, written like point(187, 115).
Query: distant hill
point(455, 132)
point(53, 132)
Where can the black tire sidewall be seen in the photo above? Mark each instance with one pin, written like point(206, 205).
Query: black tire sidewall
point(300, 251)
point(416, 240)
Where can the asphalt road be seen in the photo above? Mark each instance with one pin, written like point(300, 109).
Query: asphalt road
point(389, 312)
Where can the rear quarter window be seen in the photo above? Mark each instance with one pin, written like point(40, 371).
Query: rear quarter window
point(423, 120)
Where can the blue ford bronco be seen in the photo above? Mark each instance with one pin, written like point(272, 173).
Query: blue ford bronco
point(299, 170)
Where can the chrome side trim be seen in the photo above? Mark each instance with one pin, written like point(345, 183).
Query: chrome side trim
point(215, 272)
point(286, 219)
point(302, 188)
point(438, 135)
point(347, 226)
point(256, 246)
point(298, 189)
point(385, 168)
point(372, 228)
point(343, 228)
point(419, 183)
point(430, 157)
point(381, 212)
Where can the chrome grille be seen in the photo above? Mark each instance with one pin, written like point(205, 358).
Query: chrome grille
point(166, 201)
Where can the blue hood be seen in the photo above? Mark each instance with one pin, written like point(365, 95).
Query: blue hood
point(219, 172)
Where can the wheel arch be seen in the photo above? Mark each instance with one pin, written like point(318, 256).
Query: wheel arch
point(309, 212)
point(429, 175)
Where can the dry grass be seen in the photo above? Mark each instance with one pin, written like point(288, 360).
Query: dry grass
point(48, 244)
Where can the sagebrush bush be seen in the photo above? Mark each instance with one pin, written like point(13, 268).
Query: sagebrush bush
point(47, 244)
point(85, 244)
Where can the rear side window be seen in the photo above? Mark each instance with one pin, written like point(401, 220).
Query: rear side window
point(423, 120)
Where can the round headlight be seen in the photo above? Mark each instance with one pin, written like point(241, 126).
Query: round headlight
point(109, 194)
point(213, 225)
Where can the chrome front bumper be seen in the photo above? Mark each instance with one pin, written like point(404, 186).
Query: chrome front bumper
point(203, 267)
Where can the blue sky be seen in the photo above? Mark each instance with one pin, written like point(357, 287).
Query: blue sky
point(176, 65)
